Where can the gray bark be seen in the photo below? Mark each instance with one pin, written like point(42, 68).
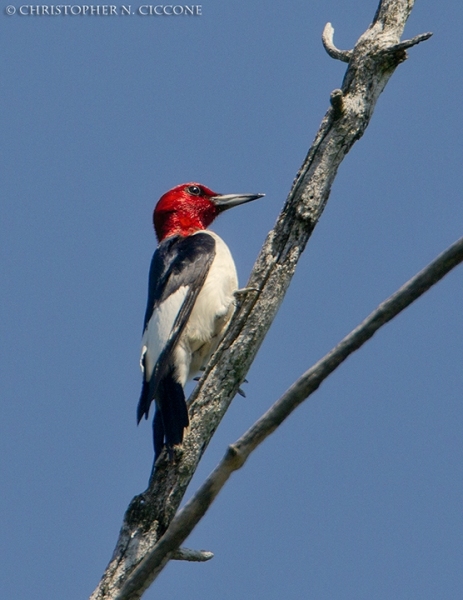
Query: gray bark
point(142, 549)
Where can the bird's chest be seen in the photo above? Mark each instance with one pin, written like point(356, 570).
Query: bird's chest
point(213, 308)
point(215, 303)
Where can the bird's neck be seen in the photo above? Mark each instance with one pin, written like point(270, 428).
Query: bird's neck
point(181, 223)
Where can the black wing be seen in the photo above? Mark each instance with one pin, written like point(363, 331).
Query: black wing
point(178, 261)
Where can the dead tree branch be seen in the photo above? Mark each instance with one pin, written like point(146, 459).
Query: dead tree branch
point(373, 60)
point(328, 44)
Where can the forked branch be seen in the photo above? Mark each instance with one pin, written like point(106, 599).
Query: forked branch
point(372, 61)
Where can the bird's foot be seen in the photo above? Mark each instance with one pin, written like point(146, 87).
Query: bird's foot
point(243, 291)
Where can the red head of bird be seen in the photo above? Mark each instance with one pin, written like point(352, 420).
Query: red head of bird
point(191, 207)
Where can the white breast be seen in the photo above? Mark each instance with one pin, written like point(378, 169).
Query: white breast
point(211, 314)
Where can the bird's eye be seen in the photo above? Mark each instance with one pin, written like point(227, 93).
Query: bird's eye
point(195, 190)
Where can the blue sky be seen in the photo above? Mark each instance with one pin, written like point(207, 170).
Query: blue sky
point(359, 494)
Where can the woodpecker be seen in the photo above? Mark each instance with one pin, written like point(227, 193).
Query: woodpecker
point(192, 281)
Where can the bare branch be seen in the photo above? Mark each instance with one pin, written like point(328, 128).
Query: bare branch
point(328, 44)
point(192, 555)
point(409, 43)
point(187, 518)
point(149, 514)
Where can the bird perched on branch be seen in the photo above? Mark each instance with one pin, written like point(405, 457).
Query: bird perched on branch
point(192, 281)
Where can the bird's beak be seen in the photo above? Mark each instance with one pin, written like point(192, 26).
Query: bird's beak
point(226, 201)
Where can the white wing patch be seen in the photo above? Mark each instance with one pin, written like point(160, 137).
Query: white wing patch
point(158, 330)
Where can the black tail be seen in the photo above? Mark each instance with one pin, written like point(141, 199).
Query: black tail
point(144, 403)
point(171, 415)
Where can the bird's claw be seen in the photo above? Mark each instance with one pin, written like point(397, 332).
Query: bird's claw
point(244, 291)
